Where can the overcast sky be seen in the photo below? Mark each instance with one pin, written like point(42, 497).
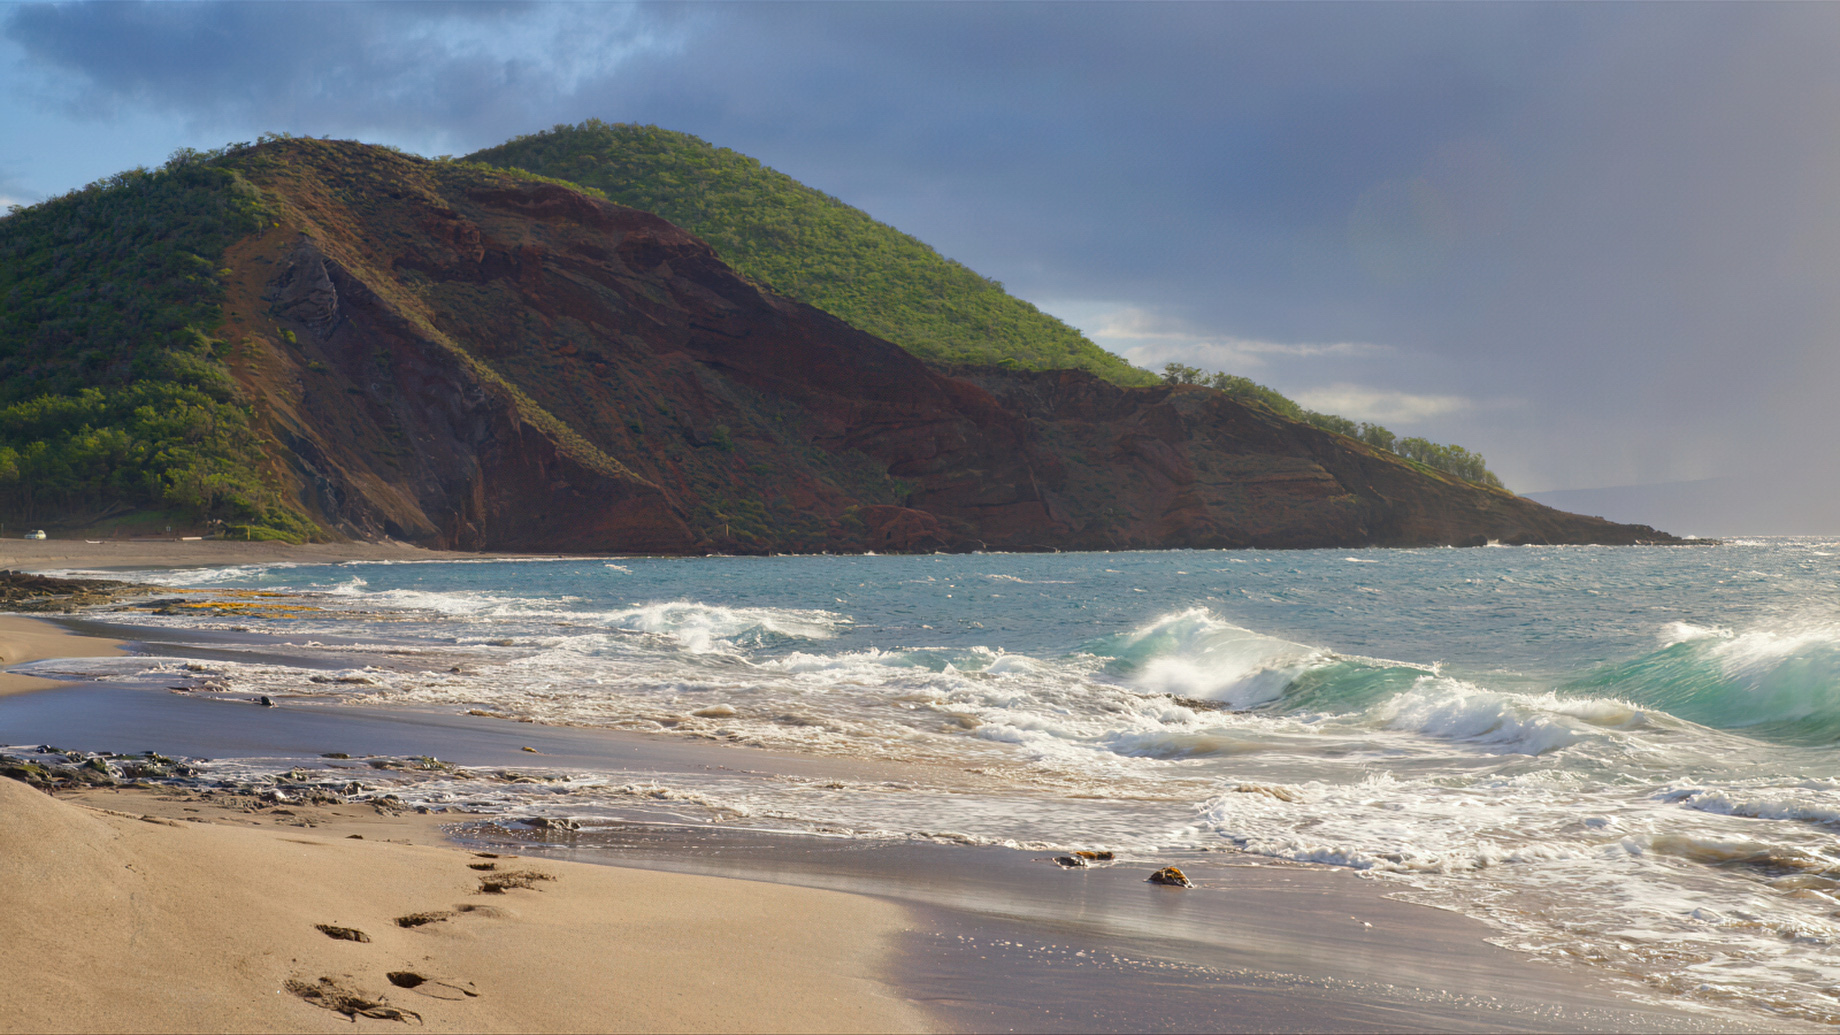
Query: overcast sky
point(1597, 243)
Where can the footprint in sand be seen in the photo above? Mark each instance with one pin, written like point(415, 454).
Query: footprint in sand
point(436, 916)
point(422, 985)
point(499, 883)
point(344, 934)
point(418, 919)
point(329, 994)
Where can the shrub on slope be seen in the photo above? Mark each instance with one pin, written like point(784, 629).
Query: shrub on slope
point(113, 395)
point(811, 247)
point(1450, 459)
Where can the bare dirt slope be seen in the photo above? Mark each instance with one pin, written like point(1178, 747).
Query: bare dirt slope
point(457, 357)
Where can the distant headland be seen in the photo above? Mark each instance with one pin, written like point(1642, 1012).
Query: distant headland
point(314, 340)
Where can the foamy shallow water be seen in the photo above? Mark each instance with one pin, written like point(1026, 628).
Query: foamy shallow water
point(1624, 756)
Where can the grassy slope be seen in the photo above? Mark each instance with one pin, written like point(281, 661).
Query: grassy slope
point(813, 248)
point(113, 392)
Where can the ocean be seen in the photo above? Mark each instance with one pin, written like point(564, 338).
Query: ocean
point(1617, 756)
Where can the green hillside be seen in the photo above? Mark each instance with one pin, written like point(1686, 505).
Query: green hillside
point(113, 394)
point(811, 247)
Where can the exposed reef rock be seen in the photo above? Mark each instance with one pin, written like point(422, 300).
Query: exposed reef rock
point(467, 359)
point(20, 591)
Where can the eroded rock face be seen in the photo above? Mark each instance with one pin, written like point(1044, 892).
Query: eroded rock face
point(304, 292)
point(482, 362)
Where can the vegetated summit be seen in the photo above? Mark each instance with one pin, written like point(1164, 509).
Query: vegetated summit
point(812, 248)
point(320, 338)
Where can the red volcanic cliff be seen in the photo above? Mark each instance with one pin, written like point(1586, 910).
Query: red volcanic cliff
point(455, 356)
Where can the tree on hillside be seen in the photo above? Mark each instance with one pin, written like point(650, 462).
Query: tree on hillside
point(1451, 460)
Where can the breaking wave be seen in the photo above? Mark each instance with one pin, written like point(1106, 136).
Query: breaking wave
point(1780, 684)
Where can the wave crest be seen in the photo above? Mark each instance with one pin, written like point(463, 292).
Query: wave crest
point(1782, 684)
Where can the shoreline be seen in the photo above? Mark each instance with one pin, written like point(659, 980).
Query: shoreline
point(990, 936)
point(25, 639)
point(985, 938)
point(124, 554)
point(758, 934)
point(127, 555)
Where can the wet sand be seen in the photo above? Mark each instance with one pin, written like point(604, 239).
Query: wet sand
point(1009, 941)
point(974, 938)
point(32, 639)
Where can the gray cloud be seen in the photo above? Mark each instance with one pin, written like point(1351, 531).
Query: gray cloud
point(446, 73)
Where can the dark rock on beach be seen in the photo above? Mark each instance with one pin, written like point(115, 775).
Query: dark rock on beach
point(21, 591)
point(54, 769)
point(1170, 876)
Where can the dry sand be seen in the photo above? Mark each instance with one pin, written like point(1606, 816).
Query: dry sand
point(201, 918)
point(40, 555)
point(28, 639)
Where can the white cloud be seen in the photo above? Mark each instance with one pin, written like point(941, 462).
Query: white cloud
point(1150, 339)
point(1380, 405)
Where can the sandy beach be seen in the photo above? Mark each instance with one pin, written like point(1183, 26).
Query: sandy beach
point(176, 908)
point(200, 926)
point(31, 639)
point(110, 554)
point(173, 915)
point(181, 916)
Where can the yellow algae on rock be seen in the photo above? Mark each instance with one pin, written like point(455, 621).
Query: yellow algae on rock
point(1170, 876)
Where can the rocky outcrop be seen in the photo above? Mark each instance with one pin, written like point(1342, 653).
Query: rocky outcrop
point(454, 356)
point(21, 591)
point(1205, 471)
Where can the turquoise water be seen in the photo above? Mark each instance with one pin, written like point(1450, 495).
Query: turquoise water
point(1621, 755)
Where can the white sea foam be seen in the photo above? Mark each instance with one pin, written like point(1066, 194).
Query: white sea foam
point(703, 627)
point(1566, 819)
point(1816, 802)
point(188, 577)
point(1028, 582)
point(1452, 709)
point(1195, 654)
